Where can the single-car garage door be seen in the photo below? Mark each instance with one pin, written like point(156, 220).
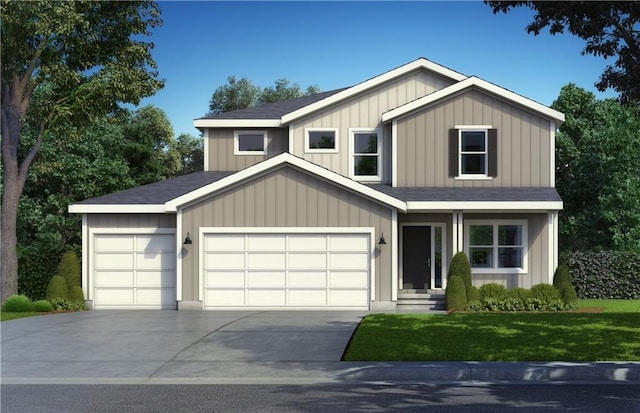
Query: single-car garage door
point(287, 270)
point(134, 271)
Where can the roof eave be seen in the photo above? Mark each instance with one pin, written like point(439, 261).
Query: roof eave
point(237, 123)
point(485, 206)
point(117, 208)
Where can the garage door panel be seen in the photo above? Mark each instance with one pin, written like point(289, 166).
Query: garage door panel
point(114, 260)
point(155, 279)
point(155, 260)
point(226, 242)
point(266, 242)
point(308, 242)
point(114, 297)
point(266, 298)
point(225, 260)
point(266, 260)
point(348, 279)
point(352, 260)
point(308, 298)
point(114, 278)
point(347, 298)
point(348, 242)
point(308, 279)
point(114, 242)
point(153, 296)
point(226, 297)
point(267, 279)
point(311, 260)
point(216, 279)
point(154, 243)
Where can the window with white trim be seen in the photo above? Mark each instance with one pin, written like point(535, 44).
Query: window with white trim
point(473, 152)
point(496, 246)
point(366, 154)
point(321, 140)
point(250, 142)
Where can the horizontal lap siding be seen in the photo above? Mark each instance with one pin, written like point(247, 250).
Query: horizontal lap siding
point(363, 111)
point(286, 198)
point(523, 143)
point(220, 148)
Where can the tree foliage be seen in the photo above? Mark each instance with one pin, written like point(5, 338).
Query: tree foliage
point(242, 93)
point(610, 29)
point(598, 172)
point(64, 64)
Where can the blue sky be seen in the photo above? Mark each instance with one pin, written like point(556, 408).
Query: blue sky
point(338, 44)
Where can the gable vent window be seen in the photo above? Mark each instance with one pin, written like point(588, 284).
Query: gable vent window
point(473, 152)
point(252, 142)
point(321, 140)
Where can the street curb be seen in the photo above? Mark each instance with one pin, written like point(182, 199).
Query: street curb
point(492, 371)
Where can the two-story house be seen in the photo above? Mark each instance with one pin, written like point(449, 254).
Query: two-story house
point(344, 199)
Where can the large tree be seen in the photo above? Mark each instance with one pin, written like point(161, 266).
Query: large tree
point(64, 64)
point(610, 29)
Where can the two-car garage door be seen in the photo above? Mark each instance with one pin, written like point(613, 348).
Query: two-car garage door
point(286, 270)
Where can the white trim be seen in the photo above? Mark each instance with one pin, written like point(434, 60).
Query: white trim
point(552, 154)
point(473, 178)
point(550, 247)
point(432, 235)
point(460, 245)
point(290, 230)
point(394, 255)
point(179, 252)
point(421, 63)
point(495, 223)
point(237, 123)
point(467, 83)
point(236, 141)
point(555, 240)
point(291, 141)
point(394, 153)
point(285, 158)
point(336, 141)
point(454, 232)
point(206, 150)
point(85, 258)
point(472, 128)
point(415, 206)
point(379, 155)
point(116, 208)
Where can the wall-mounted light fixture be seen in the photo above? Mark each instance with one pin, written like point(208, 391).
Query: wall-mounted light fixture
point(382, 241)
point(187, 241)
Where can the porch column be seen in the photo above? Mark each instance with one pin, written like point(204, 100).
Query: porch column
point(458, 226)
point(552, 235)
point(395, 246)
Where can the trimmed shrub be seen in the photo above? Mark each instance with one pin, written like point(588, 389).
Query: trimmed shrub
point(473, 294)
point(546, 293)
point(17, 304)
point(561, 276)
point(57, 288)
point(492, 290)
point(42, 306)
point(63, 304)
point(76, 294)
point(455, 295)
point(460, 267)
point(69, 268)
point(568, 294)
point(519, 293)
point(606, 274)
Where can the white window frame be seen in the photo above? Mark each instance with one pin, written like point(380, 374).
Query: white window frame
point(307, 149)
point(352, 155)
point(236, 142)
point(496, 223)
point(473, 128)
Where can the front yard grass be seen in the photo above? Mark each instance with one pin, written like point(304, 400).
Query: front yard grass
point(606, 336)
point(612, 306)
point(5, 316)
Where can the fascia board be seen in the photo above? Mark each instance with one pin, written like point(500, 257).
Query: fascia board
point(469, 82)
point(371, 83)
point(236, 123)
point(485, 205)
point(117, 208)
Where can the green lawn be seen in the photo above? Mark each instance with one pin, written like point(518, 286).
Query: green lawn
point(4, 316)
point(612, 306)
point(605, 336)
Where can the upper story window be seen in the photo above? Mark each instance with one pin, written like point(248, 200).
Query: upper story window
point(365, 148)
point(250, 142)
point(321, 140)
point(473, 152)
point(496, 246)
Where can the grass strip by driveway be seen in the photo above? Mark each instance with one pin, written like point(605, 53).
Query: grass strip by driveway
point(497, 337)
point(5, 316)
point(612, 306)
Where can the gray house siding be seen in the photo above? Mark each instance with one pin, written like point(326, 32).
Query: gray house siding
point(220, 148)
point(286, 197)
point(363, 111)
point(524, 141)
point(131, 221)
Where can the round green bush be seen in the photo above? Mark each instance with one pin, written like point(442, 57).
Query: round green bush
point(69, 268)
point(492, 290)
point(455, 295)
point(460, 267)
point(546, 293)
point(473, 294)
point(17, 304)
point(42, 306)
point(76, 294)
point(519, 293)
point(57, 288)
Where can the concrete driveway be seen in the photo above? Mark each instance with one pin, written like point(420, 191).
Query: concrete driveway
point(139, 346)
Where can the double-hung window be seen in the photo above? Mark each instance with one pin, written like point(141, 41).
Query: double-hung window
point(365, 154)
point(473, 152)
point(497, 246)
point(250, 142)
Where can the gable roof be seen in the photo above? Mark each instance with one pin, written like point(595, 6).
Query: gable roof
point(472, 82)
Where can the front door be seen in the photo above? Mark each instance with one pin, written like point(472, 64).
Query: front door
point(416, 257)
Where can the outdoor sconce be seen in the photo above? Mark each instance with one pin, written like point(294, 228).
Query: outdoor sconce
point(187, 241)
point(382, 241)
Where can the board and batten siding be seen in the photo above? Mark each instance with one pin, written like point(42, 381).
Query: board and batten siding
point(220, 148)
point(286, 197)
point(524, 141)
point(363, 111)
point(537, 258)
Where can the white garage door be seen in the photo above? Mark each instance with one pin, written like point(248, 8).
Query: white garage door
point(287, 270)
point(134, 271)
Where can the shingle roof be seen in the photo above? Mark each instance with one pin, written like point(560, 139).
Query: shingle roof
point(274, 110)
point(158, 192)
point(470, 194)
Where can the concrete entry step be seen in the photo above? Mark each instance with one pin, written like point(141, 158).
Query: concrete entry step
point(421, 300)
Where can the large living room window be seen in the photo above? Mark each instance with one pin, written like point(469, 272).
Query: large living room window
point(366, 154)
point(319, 140)
point(250, 142)
point(496, 246)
